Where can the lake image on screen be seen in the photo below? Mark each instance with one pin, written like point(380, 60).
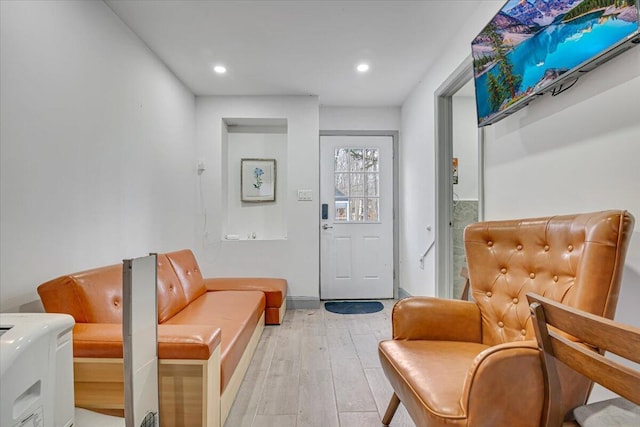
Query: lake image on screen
point(529, 43)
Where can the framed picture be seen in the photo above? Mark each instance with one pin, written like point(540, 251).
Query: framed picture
point(258, 180)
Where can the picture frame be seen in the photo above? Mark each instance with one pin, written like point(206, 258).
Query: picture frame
point(258, 180)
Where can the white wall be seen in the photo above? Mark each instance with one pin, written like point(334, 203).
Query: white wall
point(417, 151)
point(465, 147)
point(359, 118)
point(297, 257)
point(97, 146)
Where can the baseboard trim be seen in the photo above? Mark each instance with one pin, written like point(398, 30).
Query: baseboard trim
point(309, 303)
point(403, 294)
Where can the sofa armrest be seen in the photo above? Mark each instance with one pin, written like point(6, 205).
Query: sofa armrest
point(275, 290)
point(97, 340)
point(505, 376)
point(187, 341)
point(104, 340)
point(426, 318)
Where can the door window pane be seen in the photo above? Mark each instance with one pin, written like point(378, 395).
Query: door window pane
point(342, 207)
point(342, 185)
point(372, 209)
point(357, 184)
point(356, 210)
point(372, 184)
point(357, 160)
point(371, 160)
point(342, 160)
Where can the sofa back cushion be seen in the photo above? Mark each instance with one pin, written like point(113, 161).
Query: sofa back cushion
point(95, 296)
point(573, 259)
point(171, 296)
point(91, 296)
point(186, 268)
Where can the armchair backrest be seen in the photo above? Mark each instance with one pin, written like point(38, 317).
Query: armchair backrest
point(588, 337)
point(573, 259)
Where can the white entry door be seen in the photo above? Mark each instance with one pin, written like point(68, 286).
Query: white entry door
point(356, 226)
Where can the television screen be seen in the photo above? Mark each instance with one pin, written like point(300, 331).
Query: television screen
point(530, 44)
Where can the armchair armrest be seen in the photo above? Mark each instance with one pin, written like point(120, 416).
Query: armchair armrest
point(505, 376)
point(426, 318)
point(104, 340)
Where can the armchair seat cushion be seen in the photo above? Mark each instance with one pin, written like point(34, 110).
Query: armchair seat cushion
point(430, 375)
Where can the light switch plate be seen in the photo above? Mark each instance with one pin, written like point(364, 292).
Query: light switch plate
point(305, 195)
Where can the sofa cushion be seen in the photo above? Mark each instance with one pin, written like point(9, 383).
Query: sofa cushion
point(104, 340)
point(91, 296)
point(186, 268)
point(275, 290)
point(171, 297)
point(445, 372)
point(236, 313)
point(95, 296)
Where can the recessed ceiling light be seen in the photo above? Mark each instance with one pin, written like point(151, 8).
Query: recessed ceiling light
point(220, 69)
point(363, 67)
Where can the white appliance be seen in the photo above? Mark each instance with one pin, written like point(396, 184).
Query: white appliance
point(36, 370)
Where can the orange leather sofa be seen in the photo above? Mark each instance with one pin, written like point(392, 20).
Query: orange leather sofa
point(206, 336)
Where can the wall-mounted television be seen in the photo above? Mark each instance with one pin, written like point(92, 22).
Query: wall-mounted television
point(532, 47)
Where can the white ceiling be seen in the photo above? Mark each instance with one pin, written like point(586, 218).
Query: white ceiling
point(298, 47)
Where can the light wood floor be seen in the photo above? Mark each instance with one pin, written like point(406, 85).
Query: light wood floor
point(318, 369)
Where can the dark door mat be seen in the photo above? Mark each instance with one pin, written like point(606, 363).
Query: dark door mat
point(353, 307)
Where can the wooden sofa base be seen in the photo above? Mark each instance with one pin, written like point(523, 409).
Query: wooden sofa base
point(230, 392)
point(189, 389)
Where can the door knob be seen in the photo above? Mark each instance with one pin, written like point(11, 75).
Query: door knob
point(326, 226)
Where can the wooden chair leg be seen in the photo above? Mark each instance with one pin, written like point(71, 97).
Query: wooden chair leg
point(391, 409)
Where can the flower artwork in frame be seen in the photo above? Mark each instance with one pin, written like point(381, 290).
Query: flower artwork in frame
point(258, 180)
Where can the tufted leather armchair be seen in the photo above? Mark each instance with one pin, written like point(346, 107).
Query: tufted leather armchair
point(476, 363)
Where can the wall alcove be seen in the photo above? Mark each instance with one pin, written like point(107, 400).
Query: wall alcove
point(254, 138)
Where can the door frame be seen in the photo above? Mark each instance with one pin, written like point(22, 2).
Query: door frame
point(444, 180)
point(394, 134)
